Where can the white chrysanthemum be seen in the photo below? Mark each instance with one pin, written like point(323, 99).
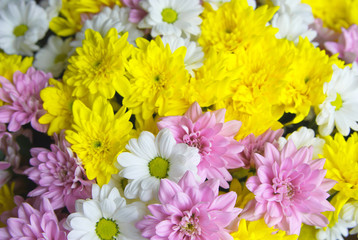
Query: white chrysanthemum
point(215, 4)
point(106, 216)
point(110, 18)
point(22, 23)
point(349, 212)
point(52, 7)
point(337, 232)
point(153, 158)
point(304, 137)
point(172, 17)
point(53, 57)
point(340, 107)
point(293, 20)
point(194, 56)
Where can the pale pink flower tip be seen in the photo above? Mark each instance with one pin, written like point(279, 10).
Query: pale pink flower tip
point(32, 223)
point(59, 176)
point(136, 13)
point(22, 99)
point(190, 210)
point(347, 45)
point(290, 189)
point(212, 136)
point(254, 145)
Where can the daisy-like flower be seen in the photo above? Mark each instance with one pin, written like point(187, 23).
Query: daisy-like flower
point(304, 137)
point(254, 145)
point(336, 232)
point(53, 57)
point(98, 136)
point(105, 216)
point(347, 45)
point(105, 73)
point(350, 213)
point(190, 210)
point(58, 174)
point(293, 19)
point(177, 17)
point(22, 98)
point(213, 137)
point(289, 189)
point(339, 108)
point(22, 23)
point(52, 7)
point(10, 156)
point(109, 18)
point(153, 158)
point(194, 55)
point(32, 223)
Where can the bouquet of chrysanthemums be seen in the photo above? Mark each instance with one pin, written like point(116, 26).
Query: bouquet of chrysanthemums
point(178, 119)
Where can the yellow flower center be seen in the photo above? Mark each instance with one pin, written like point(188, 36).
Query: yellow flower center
point(60, 58)
point(106, 229)
point(20, 30)
point(338, 102)
point(169, 15)
point(158, 167)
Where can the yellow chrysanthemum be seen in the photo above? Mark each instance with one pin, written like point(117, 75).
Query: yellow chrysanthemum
point(258, 230)
point(98, 66)
point(244, 195)
point(342, 166)
point(12, 63)
point(235, 25)
point(261, 80)
point(310, 69)
point(158, 80)
point(335, 14)
point(73, 12)
point(98, 137)
point(6, 199)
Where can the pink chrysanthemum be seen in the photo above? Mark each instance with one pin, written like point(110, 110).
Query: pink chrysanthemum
point(10, 157)
point(215, 140)
point(59, 176)
point(323, 34)
point(254, 145)
point(347, 45)
point(190, 210)
point(22, 98)
point(136, 13)
point(290, 189)
point(31, 223)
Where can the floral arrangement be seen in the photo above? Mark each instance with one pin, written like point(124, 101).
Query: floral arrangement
point(178, 119)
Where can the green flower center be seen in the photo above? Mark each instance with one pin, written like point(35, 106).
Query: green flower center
point(158, 167)
point(107, 229)
point(97, 144)
point(20, 30)
point(169, 15)
point(338, 102)
point(60, 58)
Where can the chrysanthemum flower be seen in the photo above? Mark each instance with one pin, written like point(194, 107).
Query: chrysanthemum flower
point(136, 13)
point(289, 189)
point(154, 158)
point(58, 174)
point(258, 230)
point(254, 145)
point(53, 57)
point(98, 136)
point(105, 216)
point(22, 98)
point(98, 66)
point(23, 24)
point(340, 106)
point(175, 17)
point(213, 137)
point(158, 80)
point(190, 210)
point(10, 159)
point(9, 64)
point(6, 200)
point(32, 223)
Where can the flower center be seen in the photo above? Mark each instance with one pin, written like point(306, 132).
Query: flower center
point(107, 229)
point(338, 102)
point(60, 58)
point(197, 141)
point(189, 225)
point(97, 144)
point(169, 15)
point(159, 167)
point(283, 187)
point(20, 30)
